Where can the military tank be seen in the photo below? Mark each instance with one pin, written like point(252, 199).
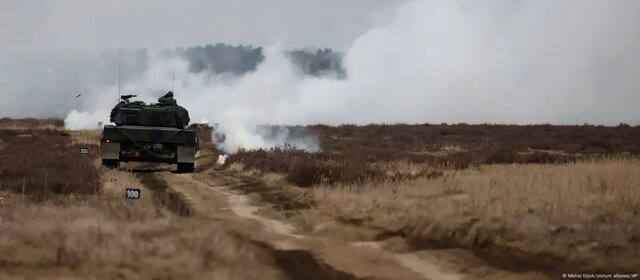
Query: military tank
point(156, 132)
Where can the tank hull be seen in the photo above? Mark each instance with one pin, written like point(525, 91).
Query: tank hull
point(129, 143)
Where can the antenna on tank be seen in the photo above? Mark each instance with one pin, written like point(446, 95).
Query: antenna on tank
point(119, 71)
point(173, 82)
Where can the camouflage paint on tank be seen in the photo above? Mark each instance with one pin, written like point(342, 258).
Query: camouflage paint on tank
point(139, 113)
point(149, 134)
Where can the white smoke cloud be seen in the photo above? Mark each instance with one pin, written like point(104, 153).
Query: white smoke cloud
point(238, 105)
point(562, 62)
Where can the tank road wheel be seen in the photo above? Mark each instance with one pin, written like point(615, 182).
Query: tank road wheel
point(109, 163)
point(185, 167)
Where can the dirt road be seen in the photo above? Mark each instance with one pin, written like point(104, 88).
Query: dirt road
point(217, 223)
point(240, 222)
point(299, 256)
point(212, 224)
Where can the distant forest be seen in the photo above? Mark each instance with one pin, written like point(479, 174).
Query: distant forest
point(237, 60)
point(83, 72)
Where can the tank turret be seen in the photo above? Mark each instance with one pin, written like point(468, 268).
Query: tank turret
point(158, 114)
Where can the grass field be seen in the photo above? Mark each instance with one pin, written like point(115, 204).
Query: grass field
point(351, 153)
point(544, 198)
point(548, 199)
point(40, 160)
point(63, 216)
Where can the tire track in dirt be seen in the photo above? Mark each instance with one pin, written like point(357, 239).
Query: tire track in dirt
point(164, 196)
point(295, 264)
point(242, 207)
point(300, 257)
point(301, 264)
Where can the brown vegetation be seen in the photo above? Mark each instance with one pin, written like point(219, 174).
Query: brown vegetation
point(522, 198)
point(77, 224)
point(31, 123)
point(352, 153)
point(42, 162)
point(585, 214)
point(554, 199)
point(106, 237)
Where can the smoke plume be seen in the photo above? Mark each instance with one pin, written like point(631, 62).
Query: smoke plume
point(560, 62)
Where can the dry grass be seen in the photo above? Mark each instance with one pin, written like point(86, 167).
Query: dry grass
point(31, 123)
point(351, 153)
point(39, 162)
point(43, 162)
point(517, 217)
point(384, 141)
point(109, 238)
point(104, 236)
point(554, 194)
point(64, 217)
point(561, 199)
point(549, 191)
point(543, 198)
point(85, 137)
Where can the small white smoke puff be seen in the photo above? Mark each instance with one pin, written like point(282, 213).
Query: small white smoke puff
point(222, 159)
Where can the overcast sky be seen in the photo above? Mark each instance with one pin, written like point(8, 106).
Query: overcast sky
point(93, 25)
point(497, 61)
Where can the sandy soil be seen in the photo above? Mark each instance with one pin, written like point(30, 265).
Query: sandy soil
point(221, 202)
point(210, 195)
